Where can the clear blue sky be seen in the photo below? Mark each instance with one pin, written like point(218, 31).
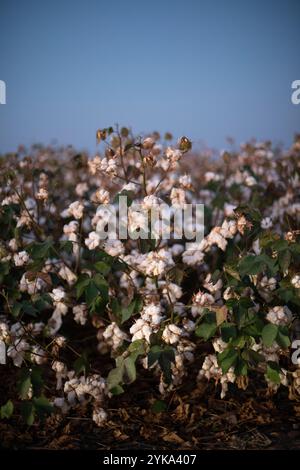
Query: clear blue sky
point(207, 69)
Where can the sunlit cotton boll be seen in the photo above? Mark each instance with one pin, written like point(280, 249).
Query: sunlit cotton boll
point(93, 241)
point(296, 281)
point(140, 330)
point(114, 247)
point(76, 210)
point(171, 334)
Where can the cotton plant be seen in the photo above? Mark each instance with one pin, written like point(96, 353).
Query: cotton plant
point(70, 296)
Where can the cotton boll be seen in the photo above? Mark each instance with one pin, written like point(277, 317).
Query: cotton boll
point(279, 315)
point(68, 275)
point(80, 314)
point(114, 247)
point(21, 258)
point(266, 223)
point(171, 334)
point(295, 281)
point(99, 416)
point(93, 241)
point(76, 210)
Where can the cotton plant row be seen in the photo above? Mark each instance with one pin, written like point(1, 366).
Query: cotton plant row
point(82, 318)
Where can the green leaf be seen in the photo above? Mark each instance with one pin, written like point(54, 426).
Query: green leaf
point(253, 357)
point(165, 356)
point(36, 379)
point(279, 245)
point(124, 313)
point(7, 410)
point(67, 246)
point(206, 330)
point(255, 264)
point(159, 406)
point(117, 390)
point(125, 370)
point(129, 373)
point(42, 406)
point(285, 294)
point(82, 282)
point(115, 377)
point(241, 367)
point(154, 354)
point(91, 293)
point(40, 250)
point(273, 372)
point(28, 308)
point(228, 332)
point(28, 412)
point(102, 267)
point(283, 340)
point(137, 348)
point(284, 259)
point(227, 359)
point(17, 307)
point(269, 334)
point(81, 364)
point(232, 272)
point(24, 384)
point(165, 359)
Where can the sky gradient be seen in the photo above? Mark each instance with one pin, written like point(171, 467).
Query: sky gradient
point(202, 68)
